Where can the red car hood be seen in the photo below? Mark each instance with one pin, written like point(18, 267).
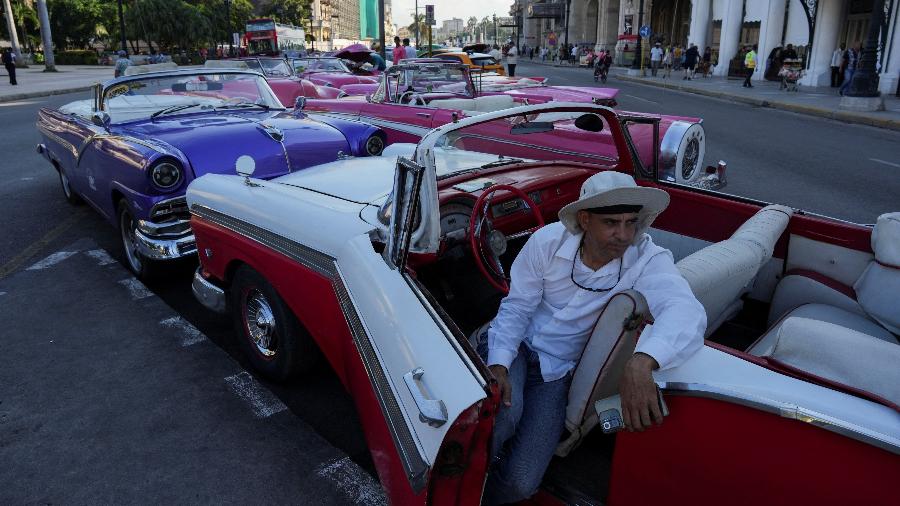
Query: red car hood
point(338, 79)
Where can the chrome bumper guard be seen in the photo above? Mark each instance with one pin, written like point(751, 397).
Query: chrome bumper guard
point(165, 247)
point(208, 294)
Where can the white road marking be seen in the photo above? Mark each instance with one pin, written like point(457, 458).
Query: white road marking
point(641, 99)
point(188, 333)
point(263, 402)
point(51, 260)
point(2, 293)
point(101, 256)
point(26, 179)
point(357, 486)
point(892, 164)
point(136, 288)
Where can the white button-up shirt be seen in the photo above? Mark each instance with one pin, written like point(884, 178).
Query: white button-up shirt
point(555, 318)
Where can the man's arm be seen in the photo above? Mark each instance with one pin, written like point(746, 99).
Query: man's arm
point(676, 334)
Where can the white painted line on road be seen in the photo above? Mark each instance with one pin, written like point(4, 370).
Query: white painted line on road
point(101, 256)
point(641, 99)
point(51, 260)
point(26, 179)
point(263, 402)
point(188, 333)
point(892, 164)
point(2, 294)
point(136, 288)
point(356, 485)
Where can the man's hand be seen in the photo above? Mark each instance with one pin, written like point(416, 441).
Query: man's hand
point(501, 373)
point(640, 406)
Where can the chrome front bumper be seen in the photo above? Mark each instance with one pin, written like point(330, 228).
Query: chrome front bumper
point(208, 294)
point(165, 241)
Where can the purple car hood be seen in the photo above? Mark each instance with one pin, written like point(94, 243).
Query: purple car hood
point(212, 143)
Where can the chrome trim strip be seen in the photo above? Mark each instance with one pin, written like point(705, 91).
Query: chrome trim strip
point(379, 122)
point(414, 463)
point(785, 410)
point(535, 146)
point(211, 296)
point(59, 140)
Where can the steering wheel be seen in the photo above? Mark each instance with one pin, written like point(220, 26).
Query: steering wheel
point(414, 98)
point(487, 243)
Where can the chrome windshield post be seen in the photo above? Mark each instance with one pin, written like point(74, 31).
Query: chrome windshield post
point(404, 211)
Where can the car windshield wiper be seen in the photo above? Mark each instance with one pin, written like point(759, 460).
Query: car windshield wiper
point(244, 105)
point(174, 108)
point(498, 163)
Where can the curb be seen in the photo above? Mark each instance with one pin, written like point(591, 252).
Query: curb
point(845, 116)
point(46, 93)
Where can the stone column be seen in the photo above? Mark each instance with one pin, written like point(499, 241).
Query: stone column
point(700, 13)
point(887, 85)
point(731, 35)
point(769, 34)
point(825, 39)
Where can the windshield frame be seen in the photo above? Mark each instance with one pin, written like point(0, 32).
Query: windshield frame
point(383, 93)
point(345, 68)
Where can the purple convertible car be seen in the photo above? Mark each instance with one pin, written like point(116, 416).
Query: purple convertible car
point(132, 149)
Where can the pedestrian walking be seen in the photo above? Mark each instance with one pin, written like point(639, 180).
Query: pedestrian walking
point(656, 56)
point(691, 57)
point(121, 64)
point(667, 63)
point(706, 61)
point(851, 59)
point(9, 61)
point(398, 53)
point(679, 55)
point(511, 60)
point(410, 51)
point(574, 53)
point(749, 65)
point(836, 58)
point(543, 54)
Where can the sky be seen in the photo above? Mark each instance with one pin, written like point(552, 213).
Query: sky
point(447, 9)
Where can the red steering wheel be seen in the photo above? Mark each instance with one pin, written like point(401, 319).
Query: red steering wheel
point(488, 244)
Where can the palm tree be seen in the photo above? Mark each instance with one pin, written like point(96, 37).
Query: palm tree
point(471, 23)
point(418, 19)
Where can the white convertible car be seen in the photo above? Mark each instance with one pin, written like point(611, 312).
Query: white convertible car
point(384, 266)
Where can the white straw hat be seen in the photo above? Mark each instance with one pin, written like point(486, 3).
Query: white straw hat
point(611, 188)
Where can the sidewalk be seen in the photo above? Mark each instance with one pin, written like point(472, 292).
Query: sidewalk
point(34, 82)
point(821, 101)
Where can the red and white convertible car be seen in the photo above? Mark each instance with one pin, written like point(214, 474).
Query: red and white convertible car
point(415, 97)
point(386, 264)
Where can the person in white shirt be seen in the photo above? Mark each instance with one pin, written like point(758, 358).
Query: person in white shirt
point(656, 56)
point(837, 57)
point(512, 58)
point(560, 281)
point(495, 53)
point(410, 51)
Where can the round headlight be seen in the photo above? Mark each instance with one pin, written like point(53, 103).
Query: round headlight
point(165, 175)
point(375, 145)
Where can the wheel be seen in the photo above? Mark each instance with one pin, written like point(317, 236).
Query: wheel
point(269, 333)
point(71, 196)
point(142, 267)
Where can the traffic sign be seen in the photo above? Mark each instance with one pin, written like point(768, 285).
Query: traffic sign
point(429, 15)
point(645, 31)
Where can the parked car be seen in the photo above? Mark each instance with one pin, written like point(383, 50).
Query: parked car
point(281, 78)
point(413, 98)
point(479, 61)
point(328, 71)
point(132, 150)
point(398, 258)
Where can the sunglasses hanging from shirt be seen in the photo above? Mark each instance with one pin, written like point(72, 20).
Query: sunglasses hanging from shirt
point(597, 290)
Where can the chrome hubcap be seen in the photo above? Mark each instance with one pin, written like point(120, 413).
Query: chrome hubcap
point(259, 320)
point(691, 153)
point(129, 241)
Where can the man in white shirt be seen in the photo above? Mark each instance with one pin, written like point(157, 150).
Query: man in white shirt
point(560, 281)
point(656, 56)
point(410, 51)
point(512, 58)
point(837, 57)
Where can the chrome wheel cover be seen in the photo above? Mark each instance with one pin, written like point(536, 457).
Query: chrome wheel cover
point(690, 160)
point(129, 241)
point(259, 322)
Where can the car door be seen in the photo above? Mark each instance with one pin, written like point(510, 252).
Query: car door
point(401, 122)
point(423, 376)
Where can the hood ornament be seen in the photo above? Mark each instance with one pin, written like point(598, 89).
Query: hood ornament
point(274, 132)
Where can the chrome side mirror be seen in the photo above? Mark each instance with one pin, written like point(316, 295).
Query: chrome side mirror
point(101, 119)
point(299, 103)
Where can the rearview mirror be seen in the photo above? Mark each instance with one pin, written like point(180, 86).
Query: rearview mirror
point(532, 127)
point(299, 103)
point(200, 86)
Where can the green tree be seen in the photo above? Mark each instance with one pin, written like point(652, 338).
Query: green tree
point(73, 23)
point(295, 12)
point(215, 12)
point(423, 28)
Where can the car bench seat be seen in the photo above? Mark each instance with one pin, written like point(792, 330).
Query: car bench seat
point(869, 307)
point(720, 273)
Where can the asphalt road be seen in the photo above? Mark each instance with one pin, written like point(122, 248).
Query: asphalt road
point(819, 165)
point(851, 172)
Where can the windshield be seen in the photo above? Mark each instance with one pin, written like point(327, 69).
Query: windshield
point(492, 82)
point(319, 65)
point(275, 68)
point(568, 136)
point(148, 96)
point(482, 61)
point(428, 79)
point(261, 46)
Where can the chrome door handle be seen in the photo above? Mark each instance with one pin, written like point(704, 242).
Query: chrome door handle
point(431, 411)
point(423, 114)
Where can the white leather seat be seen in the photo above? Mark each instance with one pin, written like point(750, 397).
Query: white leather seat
point(597, 374)
point(491, 103)
point(840, 355)
point(465, 104)
point(720, 273)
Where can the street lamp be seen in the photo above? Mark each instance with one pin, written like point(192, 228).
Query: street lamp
point(638, 51)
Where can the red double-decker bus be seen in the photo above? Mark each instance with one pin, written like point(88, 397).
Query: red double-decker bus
point(265, 37)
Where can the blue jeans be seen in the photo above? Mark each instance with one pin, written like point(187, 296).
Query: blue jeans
point(526, 433)
point(848, 76)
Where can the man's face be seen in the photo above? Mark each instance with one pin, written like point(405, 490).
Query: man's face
point(608, 235)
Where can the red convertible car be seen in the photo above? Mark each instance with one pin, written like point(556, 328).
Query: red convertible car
point(281, 78)
point(328, 71)
point(384, 265)
point(413, 98)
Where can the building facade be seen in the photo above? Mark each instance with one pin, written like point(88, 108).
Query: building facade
point(814, 27)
